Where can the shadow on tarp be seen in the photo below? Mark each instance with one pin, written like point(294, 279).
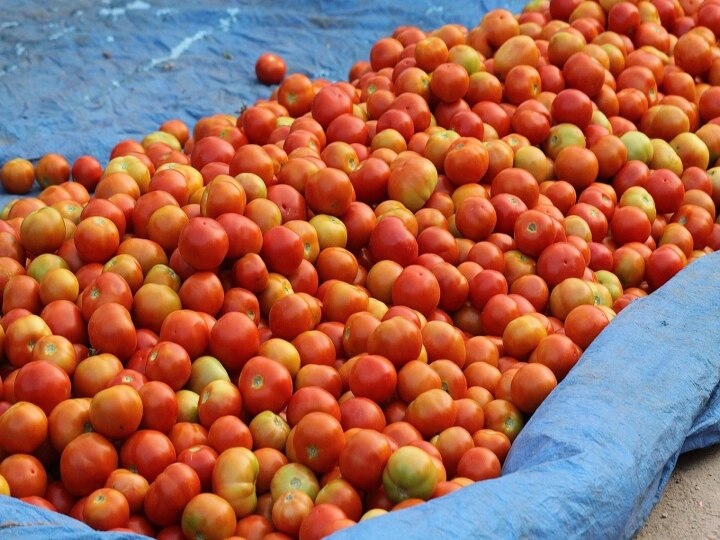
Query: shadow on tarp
point(77, 77)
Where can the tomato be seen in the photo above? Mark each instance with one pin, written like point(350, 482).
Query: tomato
point(233, 479)
point(234, 348)
point(558, 352)
point(264, 385)
point(294, 476)
point(209, 516)
point(23, 428)
point(169, 363)
point(583, 323)
point(342, 494)
point(202, 459)
point(111, 330)
point(664, 263)
point(432, 411)
point(188, 329)
point(187, 431)
point(203, 243)
point(318, 441)
point(105, 288)
point(24, 474)
point(409, 473)
point(68, 420)
point(218, 398)
point(106, 508)
point(132, 485)
point(229, 431)
point(21, 336)
point(42, 231)
point(57, 495)
point(531, 385)
point(361, 412)
point(17, 176)
point(42, 383)
point(86, 462)
point(309, 399)
point(503, 416)
point(534, 231)
point(96, 239)
point(397, 339)
point(329, 103)
point(479, 463)
point(290, 509)
point(169, 493)
point(147, 452)
point(374, 377)
point(94, 373)
point(116, 412)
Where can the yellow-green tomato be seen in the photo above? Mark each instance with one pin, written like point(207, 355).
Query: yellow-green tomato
point(409, 473)
point(233, 479)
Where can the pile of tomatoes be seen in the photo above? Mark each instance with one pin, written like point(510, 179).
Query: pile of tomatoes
point(347, 299)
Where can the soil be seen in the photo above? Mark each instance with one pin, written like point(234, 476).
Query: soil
point(690, 507)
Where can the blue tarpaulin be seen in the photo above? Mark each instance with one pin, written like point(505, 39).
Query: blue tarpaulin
point(77, 77)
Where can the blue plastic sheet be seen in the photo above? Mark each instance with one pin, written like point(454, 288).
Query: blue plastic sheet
point(77, 77)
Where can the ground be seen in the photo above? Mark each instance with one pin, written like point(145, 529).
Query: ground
point(690, 506)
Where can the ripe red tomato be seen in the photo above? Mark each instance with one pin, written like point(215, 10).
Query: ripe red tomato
point(264, 385)
point(86, 462)
point(203, 243)
point(111, 330)
point(148, 452)
point(42, 383)
point(170, 492)
point(23, 428)
point(116, 412)
point(207, 515)
point(24, 474)
point(318, 441)
point(106, 508)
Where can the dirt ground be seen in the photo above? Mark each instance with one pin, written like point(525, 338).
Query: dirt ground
point(690, 506)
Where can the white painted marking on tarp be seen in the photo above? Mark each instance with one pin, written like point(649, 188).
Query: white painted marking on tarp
point(116, 12)
point(57, 35)
point(226, 23)
point(180, 48)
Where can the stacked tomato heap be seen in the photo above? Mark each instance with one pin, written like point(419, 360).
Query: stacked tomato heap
point(348, 299)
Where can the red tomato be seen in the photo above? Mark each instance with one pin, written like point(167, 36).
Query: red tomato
point(431, 412)
point(111, 330)
point(264, 385)
point(170, 492)
point(116, 412)
point(106, 508)
point(203, 243)
point(209, 516)
point(86, 462)
point(234, 338)
point(318, 440)
point(132, 485)
point(23, 428)
point(148, 452)
point(170, 363)
point(24, 474)
point(42, 383)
